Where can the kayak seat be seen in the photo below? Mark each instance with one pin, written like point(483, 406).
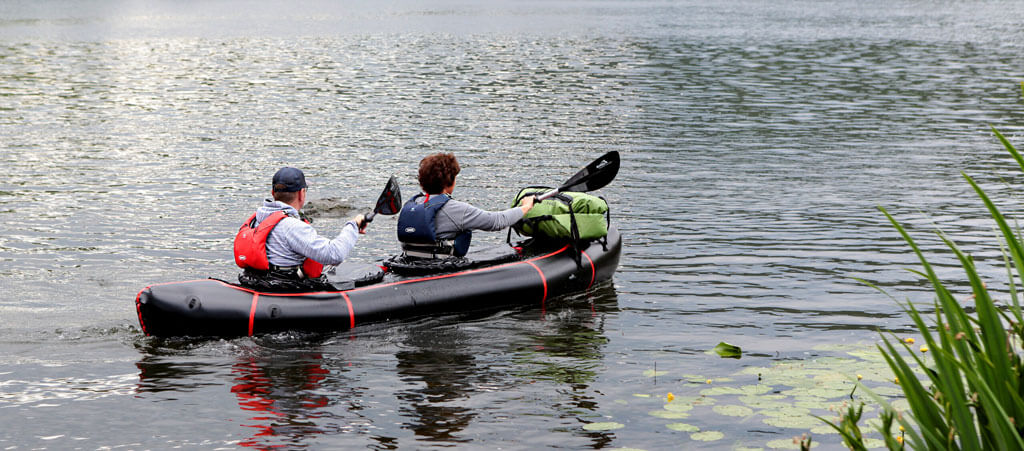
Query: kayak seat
point(476, 258)
point(349, 275)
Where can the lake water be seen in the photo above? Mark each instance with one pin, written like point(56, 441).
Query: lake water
point(757, 140)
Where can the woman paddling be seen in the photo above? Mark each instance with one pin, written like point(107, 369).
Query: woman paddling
point(433, 225)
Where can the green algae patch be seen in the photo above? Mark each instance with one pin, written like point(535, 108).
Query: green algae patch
point(603, 426)
point(707, 436)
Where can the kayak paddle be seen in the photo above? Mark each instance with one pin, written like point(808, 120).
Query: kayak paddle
point(596, 175)
point(389, 202)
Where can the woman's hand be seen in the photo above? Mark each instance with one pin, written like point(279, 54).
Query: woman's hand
point(527, 203)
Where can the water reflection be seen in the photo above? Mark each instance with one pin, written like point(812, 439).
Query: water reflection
point(281, 392)
point(278, 391)
point(454, 377)
point(568, 352)
point(449, 373)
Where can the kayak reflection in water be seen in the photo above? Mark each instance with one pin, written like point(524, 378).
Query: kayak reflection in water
point(279, 250)
point(433, 225)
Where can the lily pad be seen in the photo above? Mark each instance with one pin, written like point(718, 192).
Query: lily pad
point(824, 429)
point(874, 443)
point(678, 407)
point(717, 391)
point(733, 411)
point(763, 402)
point(787, 443)
point(759, 389)
point(744, 390)
point(728, 351)
point(871, 355)
point(641, 395)
point(888, 390)
point(832, 378)
point(842, 346)
point(787, 412)
point(707, 436)
point(828, 393)
point(694, 400)
point(812, 403)
point(652, 373)
point(668, 415)
point(682, 427)
point(603, 426)
point(793, 422)
point(901, 405)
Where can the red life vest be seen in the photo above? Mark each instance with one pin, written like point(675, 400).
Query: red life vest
point(251, 245)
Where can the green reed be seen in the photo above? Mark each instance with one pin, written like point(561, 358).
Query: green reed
point(971, 397)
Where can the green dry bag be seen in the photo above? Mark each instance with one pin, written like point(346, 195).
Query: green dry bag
point(564, 216)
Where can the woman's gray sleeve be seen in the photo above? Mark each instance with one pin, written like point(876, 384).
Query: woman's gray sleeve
point(476, 219)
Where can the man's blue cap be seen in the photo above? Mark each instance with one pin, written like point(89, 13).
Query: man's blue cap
point(288, 180)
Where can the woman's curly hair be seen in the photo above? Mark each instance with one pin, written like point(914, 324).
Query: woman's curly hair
point(438, 171)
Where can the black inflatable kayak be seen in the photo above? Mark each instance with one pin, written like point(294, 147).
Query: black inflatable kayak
point(531, 274)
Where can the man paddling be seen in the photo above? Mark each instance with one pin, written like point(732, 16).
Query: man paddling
point(281, 251)
point(433, 225)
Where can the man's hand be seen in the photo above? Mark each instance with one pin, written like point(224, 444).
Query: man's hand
point(361, 223)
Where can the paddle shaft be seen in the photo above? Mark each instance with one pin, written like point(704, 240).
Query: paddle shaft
point(546, 195)
point(369, 217)
point(594, 176)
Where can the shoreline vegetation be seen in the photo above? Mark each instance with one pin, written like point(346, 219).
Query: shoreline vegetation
point(969, 395)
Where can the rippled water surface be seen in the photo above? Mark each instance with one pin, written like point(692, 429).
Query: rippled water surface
point(757, 140)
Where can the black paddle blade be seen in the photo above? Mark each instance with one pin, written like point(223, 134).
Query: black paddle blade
point(596, 175)
point(390, 201)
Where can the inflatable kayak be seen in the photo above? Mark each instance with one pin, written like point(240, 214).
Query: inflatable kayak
point(528, 273)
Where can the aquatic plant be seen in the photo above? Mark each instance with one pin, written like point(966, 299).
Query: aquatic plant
point(971, 395)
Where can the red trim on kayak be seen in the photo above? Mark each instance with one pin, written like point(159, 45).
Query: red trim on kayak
point(252, 311)
point(593, 271)
point(351, 314)
point(138, 310)
point(445, 276)
point(543, 280)
point(371, 287)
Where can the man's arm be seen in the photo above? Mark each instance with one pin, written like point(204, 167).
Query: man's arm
point(303, 239)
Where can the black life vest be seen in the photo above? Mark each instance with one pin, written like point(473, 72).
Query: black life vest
point(417, 230)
